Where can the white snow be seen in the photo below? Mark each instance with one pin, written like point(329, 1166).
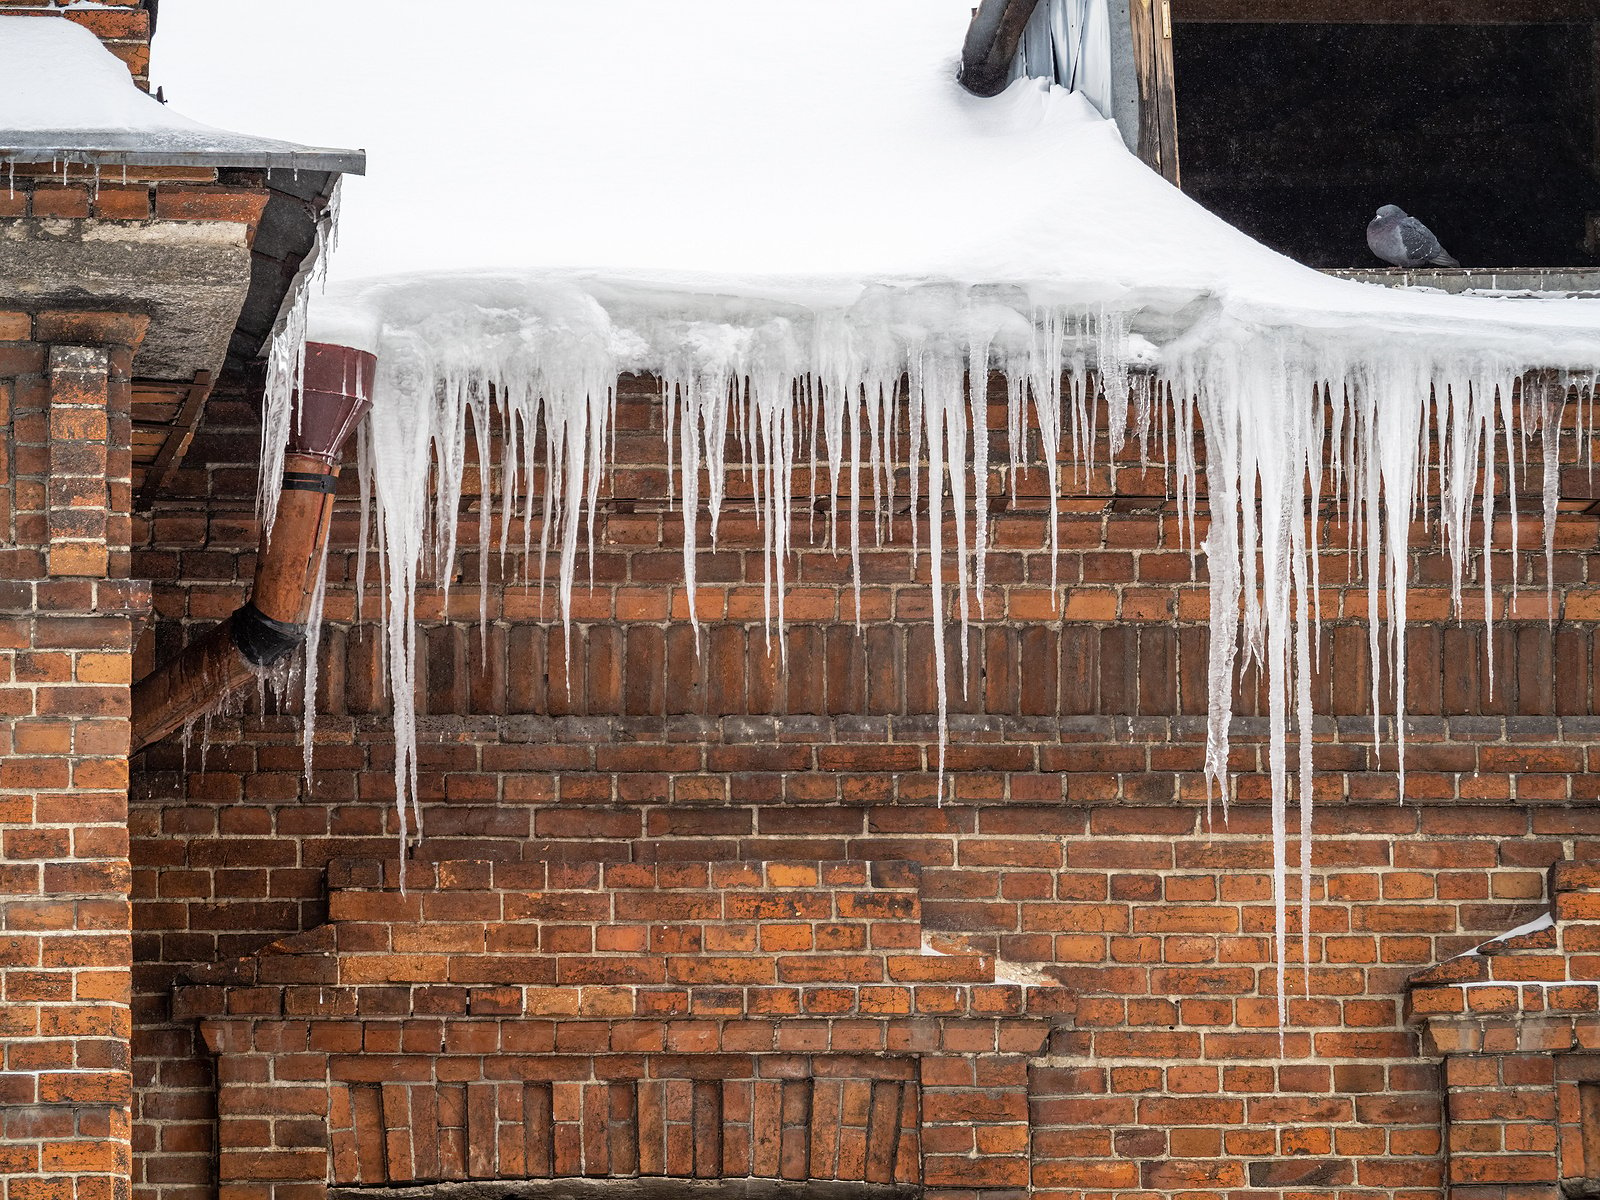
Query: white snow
point(55, 75)
point(64, 96)
point(783, 208)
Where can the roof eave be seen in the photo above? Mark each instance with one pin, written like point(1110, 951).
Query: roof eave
point(45, 146)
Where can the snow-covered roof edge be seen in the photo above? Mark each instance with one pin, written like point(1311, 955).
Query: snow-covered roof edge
point(65, 98)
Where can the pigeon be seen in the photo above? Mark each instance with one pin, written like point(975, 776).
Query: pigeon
point(1404, 241)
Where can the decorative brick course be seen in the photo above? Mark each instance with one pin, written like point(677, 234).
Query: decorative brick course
point(705, 1020)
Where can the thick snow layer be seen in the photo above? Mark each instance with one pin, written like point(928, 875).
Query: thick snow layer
point(790, 212)
point(63, 93)
point(55, 75)
point(768, 148)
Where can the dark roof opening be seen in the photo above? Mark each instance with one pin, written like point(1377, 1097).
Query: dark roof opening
point(1296, 133)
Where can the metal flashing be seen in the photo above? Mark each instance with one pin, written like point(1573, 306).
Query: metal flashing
point(118, 148)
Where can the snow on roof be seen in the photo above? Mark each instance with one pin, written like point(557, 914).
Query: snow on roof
point(65, 98)
point(778, 149)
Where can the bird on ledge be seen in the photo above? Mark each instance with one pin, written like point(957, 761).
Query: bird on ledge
point(1403, 241)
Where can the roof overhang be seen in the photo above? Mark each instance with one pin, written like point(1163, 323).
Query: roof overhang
point(121, 148)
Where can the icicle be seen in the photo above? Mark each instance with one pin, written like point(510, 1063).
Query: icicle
point(313, 644)
point(1552, 404)
point(286, 357)
point(978, 423)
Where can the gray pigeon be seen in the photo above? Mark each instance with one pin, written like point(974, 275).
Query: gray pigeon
point(1404, 241)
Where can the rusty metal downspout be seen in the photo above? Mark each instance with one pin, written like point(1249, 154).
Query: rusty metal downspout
point(991, 45)
point(271, 623)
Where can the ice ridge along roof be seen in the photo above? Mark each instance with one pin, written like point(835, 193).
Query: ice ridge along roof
point(65, 98)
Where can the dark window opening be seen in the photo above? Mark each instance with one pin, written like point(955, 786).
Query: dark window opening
point(1487, 133)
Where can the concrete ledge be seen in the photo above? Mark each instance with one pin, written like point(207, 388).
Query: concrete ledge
point(189, 277)
point(1576, 282)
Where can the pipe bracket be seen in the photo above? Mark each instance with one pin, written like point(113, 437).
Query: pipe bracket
point(311, 481)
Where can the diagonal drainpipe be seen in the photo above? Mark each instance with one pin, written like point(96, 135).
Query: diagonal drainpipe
point(991, 44)
point(331, 401)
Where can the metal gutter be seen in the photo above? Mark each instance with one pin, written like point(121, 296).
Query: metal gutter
point(118, 148)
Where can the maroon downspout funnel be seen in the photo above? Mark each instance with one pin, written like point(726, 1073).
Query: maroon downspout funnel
point(332, 399)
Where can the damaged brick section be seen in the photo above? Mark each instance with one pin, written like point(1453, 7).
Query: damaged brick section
point(1517, 1022)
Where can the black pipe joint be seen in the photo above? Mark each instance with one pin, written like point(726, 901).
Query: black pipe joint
point(262, 640)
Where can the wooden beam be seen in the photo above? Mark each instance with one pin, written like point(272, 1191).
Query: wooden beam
point(1158, 108)
point(1390, 12)
point(170, 457)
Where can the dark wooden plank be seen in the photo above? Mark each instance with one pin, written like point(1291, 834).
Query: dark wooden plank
point(1166, 93)
point(1593, 222)
point(1158, 110)
point(170, 457)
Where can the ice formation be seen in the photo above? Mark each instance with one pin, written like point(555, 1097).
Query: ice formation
point(1280, 409)
point(819, 239)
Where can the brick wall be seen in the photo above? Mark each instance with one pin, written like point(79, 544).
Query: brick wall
point(67, 616)
point(76, 192)
point(1074, 843)
point(70, 610)
point(123, 25)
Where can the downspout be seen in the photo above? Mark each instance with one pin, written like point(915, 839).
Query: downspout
point(991, 45)
point(332, 399)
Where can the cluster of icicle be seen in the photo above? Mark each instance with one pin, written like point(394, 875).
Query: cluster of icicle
point(838, 395)
point(286, 364)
